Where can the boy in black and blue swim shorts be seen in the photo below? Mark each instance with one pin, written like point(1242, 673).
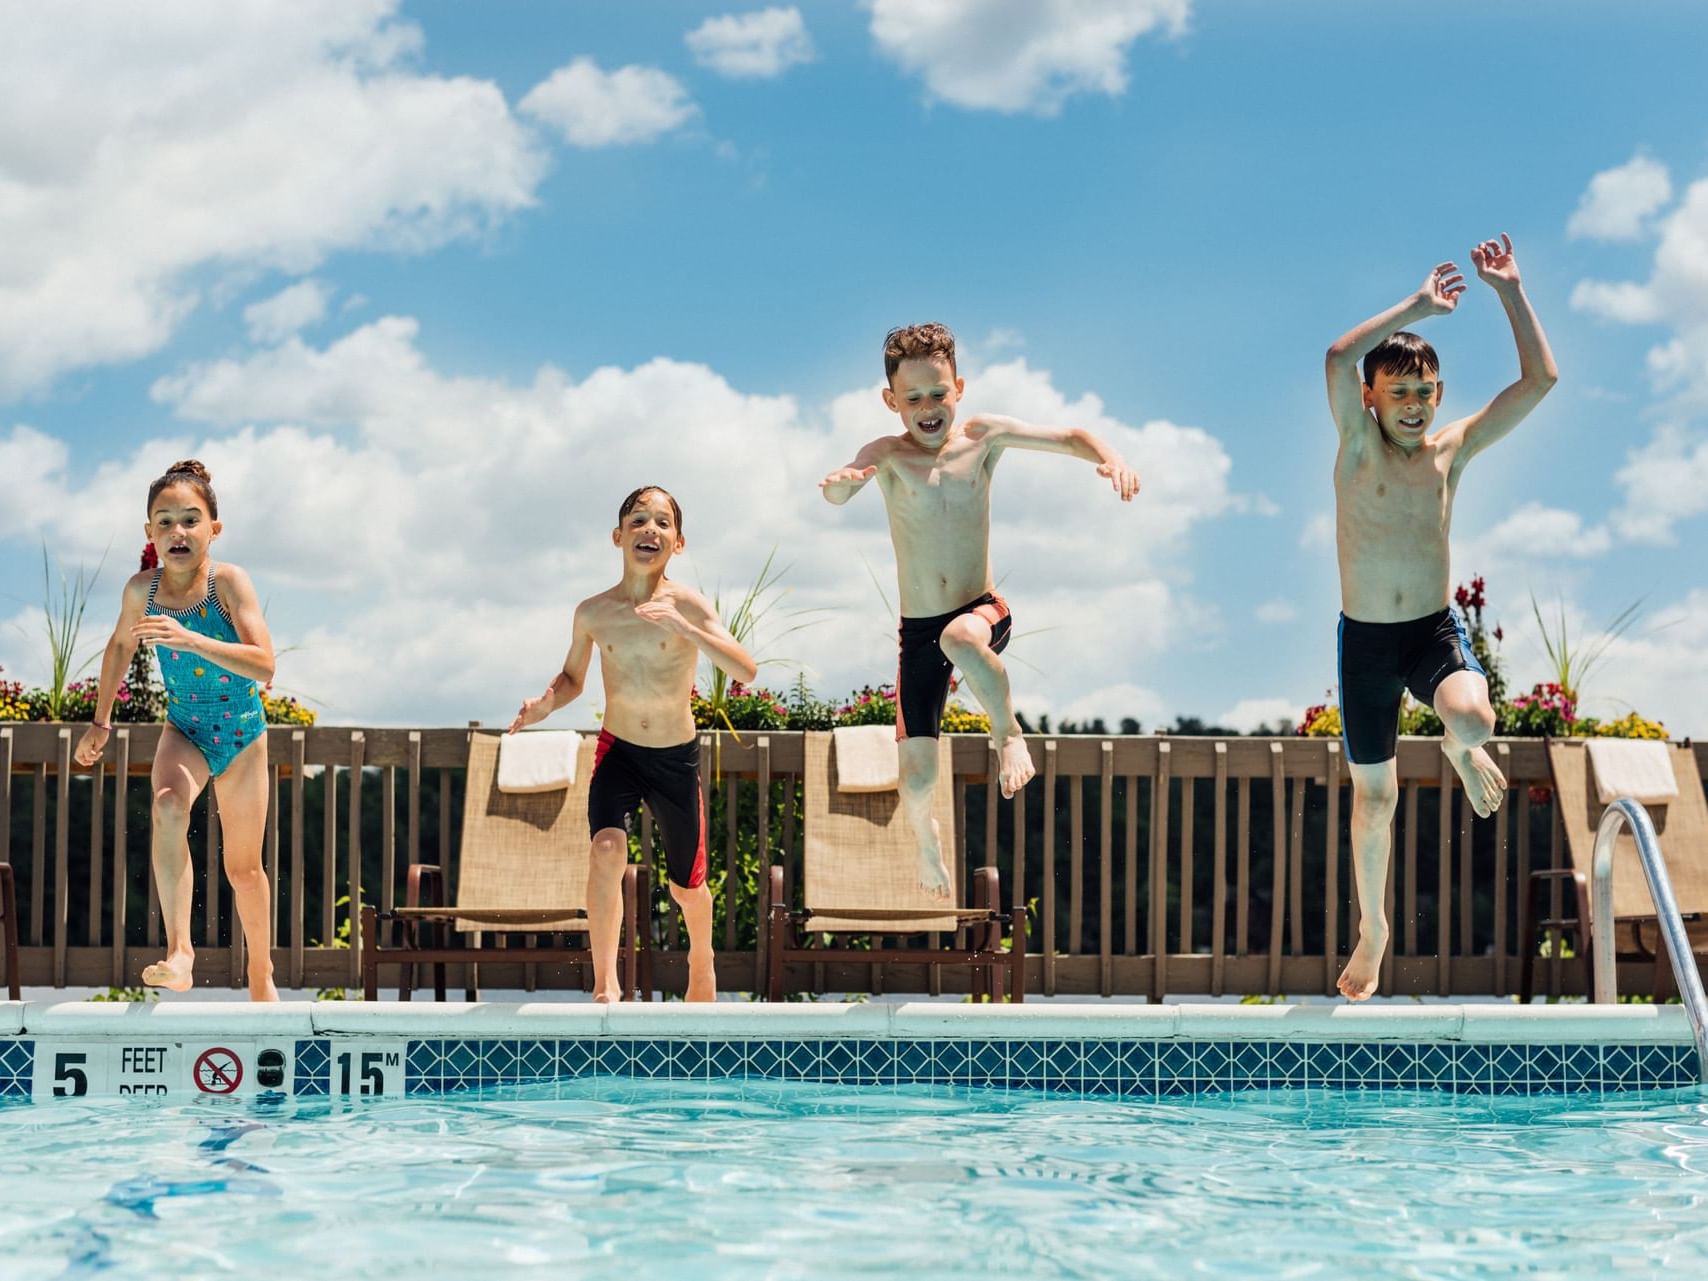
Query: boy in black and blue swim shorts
point(1394, 484)
point(935, 475)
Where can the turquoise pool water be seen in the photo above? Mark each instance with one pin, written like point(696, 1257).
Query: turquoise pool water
point(600, 1178)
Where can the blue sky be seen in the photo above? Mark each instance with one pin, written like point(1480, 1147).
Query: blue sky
point(431, 285)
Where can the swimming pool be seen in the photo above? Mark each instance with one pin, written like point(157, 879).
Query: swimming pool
point(601, 1177)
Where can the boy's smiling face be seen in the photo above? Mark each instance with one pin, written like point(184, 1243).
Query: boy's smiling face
point(1404, 404)
point(924, 392)
point(648, 535)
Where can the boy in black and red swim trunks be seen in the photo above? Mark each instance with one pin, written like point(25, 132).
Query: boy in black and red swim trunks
point(650, 632)
point(935, 477)
point(1394, 485)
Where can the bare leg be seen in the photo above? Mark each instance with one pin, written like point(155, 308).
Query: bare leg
point(605, 910)
point(242, 793)
point(918, 762)
point(180, 773)
point(966, 642)
point(1462, 702)
point(696, 905)
point(1375, 792)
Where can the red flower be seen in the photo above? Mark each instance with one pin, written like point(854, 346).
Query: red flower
point(1499, 635)
point(1461, 597)
point(150, 557)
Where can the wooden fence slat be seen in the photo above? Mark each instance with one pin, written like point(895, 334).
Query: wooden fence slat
point(1106, 869)
point(1503, 762)
point(1523, 880)
point(97, 863)
point(1410, 855)
point(1076, 864)
point(1278, 851)
point(388, 839)
point(762, 818)
point(412, 817)
point(731, 797)
point(1444, 885)
point(298, 759)
point(1219, 876)
point(329, 853)
point(38, 853)
point(1556, 860)
point(5, 795)
point(1158, 938)
point(992, 790)
point(276, 890)
point(1331, 875)
point(210, 870)
point(62, 860)
point(358, 748)
point(1242, 867)
point(1047, 897)
point(1296, 873)
point(1467, 887)
point(121, 859)
point(1130, 853)
point(1188, 872)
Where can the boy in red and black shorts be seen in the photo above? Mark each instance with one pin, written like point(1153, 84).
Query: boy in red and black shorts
point(935, 477)
point(650, 632)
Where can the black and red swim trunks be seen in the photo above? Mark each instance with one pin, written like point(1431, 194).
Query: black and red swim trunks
point(1380, 661)
point(667, 779)
point(923, 672)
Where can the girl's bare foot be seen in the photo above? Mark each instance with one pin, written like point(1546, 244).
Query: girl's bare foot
point(1358, 980)
point(1485, 785)
point(933, 872)
point(610, 996)
point(702, 976)
point(174, 973)
point(261, 985)
point(1014, 765)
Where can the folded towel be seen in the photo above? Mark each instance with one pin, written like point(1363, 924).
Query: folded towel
point(542, 761)
point(1639, 769)
point(866, 758)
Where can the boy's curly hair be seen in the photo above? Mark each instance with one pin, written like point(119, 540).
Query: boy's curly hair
point(917, 342)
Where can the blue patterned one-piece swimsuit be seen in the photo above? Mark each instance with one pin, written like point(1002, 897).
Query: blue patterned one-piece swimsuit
point(219, 711)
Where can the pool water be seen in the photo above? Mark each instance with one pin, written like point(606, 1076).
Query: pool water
point(605, 1178)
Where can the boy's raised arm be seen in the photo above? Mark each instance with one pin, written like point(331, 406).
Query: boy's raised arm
point(566, 686)
point(843, 483)
point(1437, 296)
point(1011, 433)
point(1537, 372)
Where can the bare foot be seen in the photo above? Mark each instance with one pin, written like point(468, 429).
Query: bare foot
point(933, 872)
point(1015, 764)
point(1485, 785)
point(610, 996)
point(173, 973)
point(1358, 980)
point(702, 976)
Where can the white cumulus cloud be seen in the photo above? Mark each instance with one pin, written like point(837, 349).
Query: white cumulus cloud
point(1620, 201)
point(1276, 611)
point(145, 147)
point(1019, 55)
point(752, 46)
point(1251, 714)
point(591, 107)
point(1664, 482)
point(293, 308)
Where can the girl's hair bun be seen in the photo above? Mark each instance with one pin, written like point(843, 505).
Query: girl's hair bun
point(191, 467)
point(190, 471)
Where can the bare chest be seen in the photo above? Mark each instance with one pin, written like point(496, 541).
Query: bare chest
point(953, 480)
point(635, 646)
point(1388, 488)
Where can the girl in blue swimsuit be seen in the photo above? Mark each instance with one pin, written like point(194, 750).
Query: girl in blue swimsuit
point(211, 642)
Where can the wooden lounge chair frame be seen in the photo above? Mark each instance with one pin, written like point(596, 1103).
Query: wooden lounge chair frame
point(9, 927)
point(996, 970)
point(1684, 837)
point(426, 921)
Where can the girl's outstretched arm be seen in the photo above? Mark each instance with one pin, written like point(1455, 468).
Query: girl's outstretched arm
point(115, 662)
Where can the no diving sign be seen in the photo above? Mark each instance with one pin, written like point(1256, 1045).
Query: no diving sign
point(218, 1071)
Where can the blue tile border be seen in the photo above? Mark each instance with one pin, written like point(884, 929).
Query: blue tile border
point(1166, 1068)
point(1092, 1067)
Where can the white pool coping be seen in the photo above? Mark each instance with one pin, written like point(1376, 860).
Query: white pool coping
point(1477, 1024)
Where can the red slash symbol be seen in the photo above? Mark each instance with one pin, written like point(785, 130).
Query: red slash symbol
point(218, 1071)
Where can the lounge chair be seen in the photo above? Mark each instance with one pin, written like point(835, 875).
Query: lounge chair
point(1682, 827)
point(859, 874)
point(523, 870)
point(9, 927)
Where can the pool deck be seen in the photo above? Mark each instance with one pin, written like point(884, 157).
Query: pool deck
point(183, 1049)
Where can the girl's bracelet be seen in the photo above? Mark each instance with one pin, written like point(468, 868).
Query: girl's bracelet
point(99, 725)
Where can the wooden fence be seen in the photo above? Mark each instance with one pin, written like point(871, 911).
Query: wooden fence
point(1152, 865)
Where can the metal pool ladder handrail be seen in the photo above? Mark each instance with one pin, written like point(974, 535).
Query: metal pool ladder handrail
point(1625, 812)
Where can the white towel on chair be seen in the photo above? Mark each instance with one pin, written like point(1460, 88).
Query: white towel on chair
point(542, 761)
point(866, 758)
point(1640, 769)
